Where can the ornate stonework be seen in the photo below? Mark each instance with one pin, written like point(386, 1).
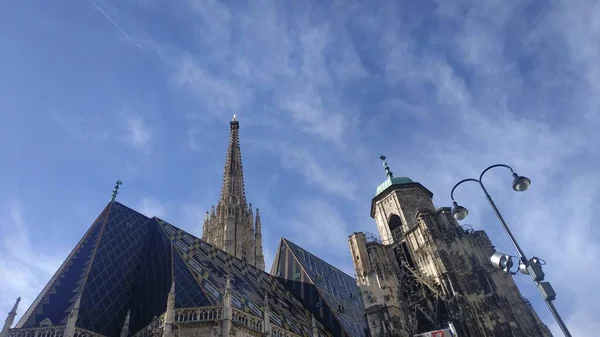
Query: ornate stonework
point(232, 226)
point(425, 272)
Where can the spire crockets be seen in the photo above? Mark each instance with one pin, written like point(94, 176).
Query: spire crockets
point(260, 259)
point(10, 319)
point(233, 174)
point(72, 319)
point(231, 227)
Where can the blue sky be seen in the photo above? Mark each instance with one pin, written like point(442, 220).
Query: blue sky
point(142, 91)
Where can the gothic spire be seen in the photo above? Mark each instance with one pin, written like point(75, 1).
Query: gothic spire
point(267, 316)
point(232, 227)
point(205, 226)
point(227, 310)
point(232, 191)
point(170, 312)
point(72, 318)
point(10, 319)
point(260, 258)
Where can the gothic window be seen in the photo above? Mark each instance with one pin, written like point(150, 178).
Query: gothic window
point(394, 222)
point(395, 225)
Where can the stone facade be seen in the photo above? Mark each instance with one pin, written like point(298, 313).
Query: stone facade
point(424, 271)
point(189, 322)
point(232, 226)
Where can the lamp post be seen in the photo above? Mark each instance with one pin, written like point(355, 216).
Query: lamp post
point(532, 266)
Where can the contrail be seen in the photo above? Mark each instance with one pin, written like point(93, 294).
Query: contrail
point(116, 25)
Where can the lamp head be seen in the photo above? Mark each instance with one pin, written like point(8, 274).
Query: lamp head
point(502, 261)
point(520, 183)
point(459, 212)
point(523, 269)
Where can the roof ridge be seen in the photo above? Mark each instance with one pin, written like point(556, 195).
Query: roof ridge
point(330, 264)
point(291, 312)
point(63, 268)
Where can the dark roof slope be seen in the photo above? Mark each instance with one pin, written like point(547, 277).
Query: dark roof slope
point(210, 267)
point(330, 293)
point(126, 262)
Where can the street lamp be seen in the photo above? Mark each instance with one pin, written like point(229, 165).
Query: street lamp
point(502, 261)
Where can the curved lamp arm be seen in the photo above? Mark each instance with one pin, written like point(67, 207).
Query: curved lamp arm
point(494, 166)
point(460, 182)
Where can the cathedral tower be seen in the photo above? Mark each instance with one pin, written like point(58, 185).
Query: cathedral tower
point(425, 272)
point(232, 226)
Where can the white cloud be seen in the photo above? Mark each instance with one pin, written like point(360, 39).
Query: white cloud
point(463, 85)
point(24, 269)
point(217, 96)
point(192, 218)
point(138, 133)
point(318, 227)
point(152, 207)
point(485, 84)
point(86, 127)
point(333, 178)
point(483, 123)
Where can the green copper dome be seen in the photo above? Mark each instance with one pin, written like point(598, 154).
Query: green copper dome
point(391, 180)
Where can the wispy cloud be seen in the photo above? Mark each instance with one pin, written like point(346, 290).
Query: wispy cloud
point(151, 207)
point(477, 102)
point(116, 25)
point(443, 88)
point(24, 269)
point(327, 174)
point(81, 127)
point(318, 227)
point(137, 133)
point(191, 218)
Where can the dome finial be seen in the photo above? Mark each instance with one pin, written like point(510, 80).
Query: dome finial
point(388, 172)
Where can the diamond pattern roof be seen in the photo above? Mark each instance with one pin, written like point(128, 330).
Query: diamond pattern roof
point(57, 297)
point(102, 268)
point(337, 289)
point(126, 261)
point(113, 272)
point(210, 267)
point(152, 287)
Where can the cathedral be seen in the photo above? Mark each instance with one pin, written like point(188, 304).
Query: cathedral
point(135, 276)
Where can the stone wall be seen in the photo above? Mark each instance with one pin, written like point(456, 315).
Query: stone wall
point(448, 260)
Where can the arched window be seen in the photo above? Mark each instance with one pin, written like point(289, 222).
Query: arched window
point(394, 222)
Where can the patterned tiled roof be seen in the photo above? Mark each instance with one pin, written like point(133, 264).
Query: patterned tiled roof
point(102, 269)
point(338, 303)
point(210, 266)
point(126, 261)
